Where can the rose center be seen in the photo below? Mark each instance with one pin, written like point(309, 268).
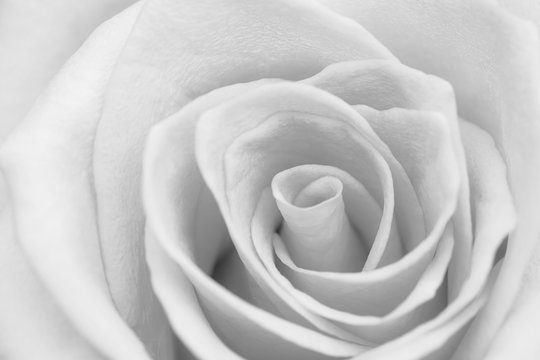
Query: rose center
point(315, 228)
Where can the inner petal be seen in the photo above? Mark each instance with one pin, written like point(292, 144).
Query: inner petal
point(316, 228)
point(325, 189)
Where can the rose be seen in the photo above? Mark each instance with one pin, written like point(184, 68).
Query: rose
point(71, 309)
point(92, 287)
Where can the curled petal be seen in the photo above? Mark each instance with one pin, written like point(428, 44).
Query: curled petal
point(316, 226)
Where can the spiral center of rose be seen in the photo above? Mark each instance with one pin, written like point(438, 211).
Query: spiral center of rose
point(316, 228)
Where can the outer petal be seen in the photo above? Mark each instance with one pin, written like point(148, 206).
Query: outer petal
point(517, 337)
point(491, 59)
point(36, 37)
point(28, 314)
point(525, 9)
point(47, 165)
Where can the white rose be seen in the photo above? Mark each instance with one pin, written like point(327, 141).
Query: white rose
point(308, 190)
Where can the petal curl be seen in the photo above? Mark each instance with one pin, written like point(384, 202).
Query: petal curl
point(316, 223)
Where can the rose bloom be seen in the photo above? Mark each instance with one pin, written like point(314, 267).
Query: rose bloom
point(270, 179)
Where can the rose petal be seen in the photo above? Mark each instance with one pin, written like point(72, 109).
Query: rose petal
point(47, 165)
point(491, 59)
point(517, 337)
point(362, 209)
point(494, 216)
point(316, 227)
point(36, 38)
point(27, 312)
point(525, 9)
point(435, 344)
point(523, 321)
point(405, 132)
point(182, 305)
point(164, 162)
